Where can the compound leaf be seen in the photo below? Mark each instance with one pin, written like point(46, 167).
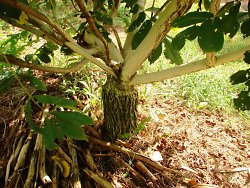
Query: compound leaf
point(210, 38)
point(171, 53)
point(155, 54)
point(191, 19)
point(59, 101)
point(141, 34)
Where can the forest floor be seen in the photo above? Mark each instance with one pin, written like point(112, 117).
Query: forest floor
point(209, 148)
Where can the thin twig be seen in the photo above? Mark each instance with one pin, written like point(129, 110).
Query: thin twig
point(21, 63)
point(134, 155)
point(12, 158)
point(101, 181)
point(117, 38)
point(33, 161)
point(75, 178)
point(92, 25)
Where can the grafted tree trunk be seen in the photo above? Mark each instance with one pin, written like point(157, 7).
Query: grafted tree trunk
point(120, 109)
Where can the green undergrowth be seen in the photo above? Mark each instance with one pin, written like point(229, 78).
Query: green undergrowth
point(208, 89)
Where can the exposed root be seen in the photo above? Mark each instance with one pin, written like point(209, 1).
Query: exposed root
point(137, 176)
point(75, 178)
point(55, 177)
point(99, 180)
point(19, 164)
point(33, 162)
point(42, 171)
point(13, 158)
point(147, 173)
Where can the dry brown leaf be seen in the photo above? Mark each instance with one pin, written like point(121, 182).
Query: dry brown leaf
point(205, 186)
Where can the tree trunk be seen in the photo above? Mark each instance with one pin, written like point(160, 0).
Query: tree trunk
point(120, 109)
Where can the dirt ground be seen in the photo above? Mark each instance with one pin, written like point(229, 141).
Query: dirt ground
point(208, 148)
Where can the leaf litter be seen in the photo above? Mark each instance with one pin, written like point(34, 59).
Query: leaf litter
point(211, 149)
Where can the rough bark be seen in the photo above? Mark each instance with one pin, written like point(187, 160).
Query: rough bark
point(120, 109)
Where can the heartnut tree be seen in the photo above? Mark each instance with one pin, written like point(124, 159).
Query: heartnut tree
point(146, 38)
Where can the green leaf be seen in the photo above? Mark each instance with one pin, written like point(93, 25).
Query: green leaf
point(29, 57)
point(66, 50)
point(230, 23)
point(155, 54)
point(134, 9)
point(59, 101)
point(141, 34)
point(210, 38)
point(28, 115)
point(248, 8)
point(103, 31)
point(51, 46)
point(33, 58)
point(74, 117)
point(71, 124)
point(242, 16)
point(245, 28)
point(5, 84)
point(129, 3)
point(240, 77)
point(38, 84)
point(9, 11)
point(224, 9)
point(207, 4)
point(51, 131)
point(190, 33)
point(171, 53)
point(140, 19)
point(247, 57)
point(242, 101)
point(191, 19)
point(103, 18)
point(51, 4)
point(178, 41)
point(44, 57)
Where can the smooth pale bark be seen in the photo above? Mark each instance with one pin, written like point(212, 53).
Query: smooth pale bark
point(188, 68)
point(159, 30)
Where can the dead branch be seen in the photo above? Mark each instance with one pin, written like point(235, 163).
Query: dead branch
point(33, 161)
point(98, 179)
point(13, 158)
point(55, 176)
point(42, 172)
point(21, 63)
point(23, 153)
point(75, 179)
point(146, 172)
point(134, 155)
point(89, 160)
point(140, 179)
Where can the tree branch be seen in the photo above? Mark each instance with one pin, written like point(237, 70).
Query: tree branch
point(93, 27)
point(72, 43)
point(188, 68)
point(114, 8)
point(78, 49)
point(157, 33)
point(127, 44)
point(215, 6)
point(41, 33)
point(19, 62)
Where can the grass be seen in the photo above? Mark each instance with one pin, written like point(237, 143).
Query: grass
point(210, 89)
